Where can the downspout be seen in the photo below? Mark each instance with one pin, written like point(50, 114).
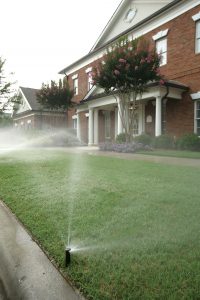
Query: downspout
point(163, 109)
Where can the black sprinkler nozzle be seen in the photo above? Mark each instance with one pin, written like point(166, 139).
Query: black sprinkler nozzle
point(67, 257)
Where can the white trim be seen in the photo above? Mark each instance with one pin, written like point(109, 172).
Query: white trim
point(160, 20)
point(196, 17)
point(28, 121)
point(88, 70)
point(160, 34)
point(75, 76)
point(87, 115)
point(195, 96)
point(74, 117)
point(25, 99)
point(61, 114)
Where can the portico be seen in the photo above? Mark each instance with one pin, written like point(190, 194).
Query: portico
point(103, 111)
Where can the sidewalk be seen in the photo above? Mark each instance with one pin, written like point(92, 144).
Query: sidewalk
point(25, 271)
point(135, 156)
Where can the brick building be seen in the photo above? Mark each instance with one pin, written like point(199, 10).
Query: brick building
point(174, 109)
point(31, 115)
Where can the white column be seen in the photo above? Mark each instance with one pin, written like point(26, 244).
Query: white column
point(158, 123)
point(116, 121)
point(119, 125)
point(96, 127)
point(91, 127)
point(140, 118)
point(78, 132)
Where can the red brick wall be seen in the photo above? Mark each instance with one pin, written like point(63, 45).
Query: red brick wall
point(183, 65)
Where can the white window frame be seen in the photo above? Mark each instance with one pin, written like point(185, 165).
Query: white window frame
point(89, 78)
point(75, 86)
point(107, 124)
point(162, 52)
point(197, 37)
point(197, 116)
point(196, 19)
point(160, 37)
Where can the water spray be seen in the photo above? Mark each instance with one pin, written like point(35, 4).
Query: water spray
point(67, 256)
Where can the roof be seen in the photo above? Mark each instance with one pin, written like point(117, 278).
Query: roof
point(96, 49)
point(30, 95)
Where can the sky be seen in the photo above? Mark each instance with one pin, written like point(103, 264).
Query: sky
point(41, 37)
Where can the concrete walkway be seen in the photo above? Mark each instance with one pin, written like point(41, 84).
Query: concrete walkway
point(135, 156)
point(25, 271)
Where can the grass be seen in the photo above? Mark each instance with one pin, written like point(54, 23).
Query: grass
point(173, 153)
point(137, 221)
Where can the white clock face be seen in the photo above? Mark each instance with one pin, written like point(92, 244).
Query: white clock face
point(130, 15)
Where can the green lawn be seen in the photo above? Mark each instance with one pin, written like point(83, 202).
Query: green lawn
point(135, 223)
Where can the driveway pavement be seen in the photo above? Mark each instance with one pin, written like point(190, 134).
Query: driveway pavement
point(25, 271)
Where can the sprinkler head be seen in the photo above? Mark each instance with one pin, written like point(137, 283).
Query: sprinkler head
point(67, 257)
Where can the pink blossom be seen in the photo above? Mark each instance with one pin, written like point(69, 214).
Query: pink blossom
point(122, 60)
point(161, 82)
point(142, 61)
point(116, 72)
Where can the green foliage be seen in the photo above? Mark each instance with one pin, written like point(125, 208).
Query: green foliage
point(5, 121)
point(163, 142)
point(128, 65)
point(8, 96)
point(145, 139)
point(121, 138)
point(56, 96)
point(4, 86)
point(189, 141)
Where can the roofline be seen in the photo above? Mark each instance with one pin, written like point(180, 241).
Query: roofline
point(160, 11)
point(107, 25)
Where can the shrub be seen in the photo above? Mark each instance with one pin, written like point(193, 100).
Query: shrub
point(164, 142)
point(121, 138)
point(144, 139)
point(189, 141)
point(123, 147)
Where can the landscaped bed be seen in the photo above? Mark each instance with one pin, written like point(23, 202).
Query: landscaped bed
point(136, 223)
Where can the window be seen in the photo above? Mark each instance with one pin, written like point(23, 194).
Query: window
point(88, 71)
point(197, 117)
point(197, 43)
point(161, 47)
point(90, 85)
point(107, 124)
point(75, 86)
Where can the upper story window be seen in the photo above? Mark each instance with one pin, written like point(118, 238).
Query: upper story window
point(196, 18)
point(75, 84)
point(197, 42)
point(89, 78)
point(161, 45)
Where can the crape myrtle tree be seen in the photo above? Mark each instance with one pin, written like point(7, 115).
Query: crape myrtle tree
point(124, 72)
point(56, 96)
point(9, 99)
